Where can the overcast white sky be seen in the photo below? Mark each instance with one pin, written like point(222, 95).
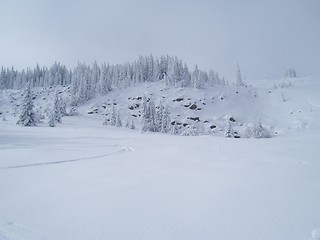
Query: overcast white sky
point(265, 36)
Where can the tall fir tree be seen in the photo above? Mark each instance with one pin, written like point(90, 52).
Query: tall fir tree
point(166, 121)
point(118, 119)
point(27, 114)
point(145, 115)
point(56, 109)
point(239, 79)
point(113, 120)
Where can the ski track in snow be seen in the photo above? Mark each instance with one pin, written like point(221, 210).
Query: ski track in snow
point(312, 103)
point(4, 236)
point(21, 229)
point(123, 149)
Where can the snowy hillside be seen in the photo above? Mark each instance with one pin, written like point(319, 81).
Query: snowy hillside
point(280, 105)
point(85, 180)
point(279, 109)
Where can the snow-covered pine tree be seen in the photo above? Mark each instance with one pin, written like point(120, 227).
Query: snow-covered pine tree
point(186, 76)
point(159, 117)
point(212, 78)
point(239, 79)
point(63, 106)
point(52, 121)
point(166, 121)
point(113, 120)
point(106, 121)
point(153, 127)
point(257, 131)
point(128, 123)
point(118, 119)
point(195, 77)
point(56, 110)
point(145, 115)
point(174, 129)
point(132, 126)
point(229, 133)
point(104, 85)
point(191, 131)
point(27, 115)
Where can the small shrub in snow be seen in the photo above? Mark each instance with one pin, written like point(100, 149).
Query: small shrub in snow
point(174, 129)
point(73, 111)
point(290, 73)
point(106, 121)
point(284, 99)
point(132, 126)
point(256, 131)
point(3, 117)
point(52, 121)
point(190, 132)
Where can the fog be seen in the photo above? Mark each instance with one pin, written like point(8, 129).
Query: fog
point(265, 37)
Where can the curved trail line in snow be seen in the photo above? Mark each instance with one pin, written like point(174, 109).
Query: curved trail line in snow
point(22, 230)
point(122, 150)
point(313, 104)
point(5, 236)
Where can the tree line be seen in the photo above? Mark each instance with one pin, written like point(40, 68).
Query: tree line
point(87, 81)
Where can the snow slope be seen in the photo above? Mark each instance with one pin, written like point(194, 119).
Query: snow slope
point(83, 180)
point(282, 105)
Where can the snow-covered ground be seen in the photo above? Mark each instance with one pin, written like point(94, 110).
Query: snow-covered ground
point(82, 180)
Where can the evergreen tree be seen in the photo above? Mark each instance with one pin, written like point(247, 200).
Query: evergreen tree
point(145, 115)
point(52, 121)
point(118, 119)
point(149, 116)
point(153, 127)
point(159, 117)
point(195, 77)
point(128, 123)
point(132, 126)
point(174, 129)
point(229, 133)
point(256, 131)
point(113, 120)
point(27, 115)
point(239, 80)
point(106, 121)
point(56, 110)
point(104, 85)
point(166, 121)
point(63, 107)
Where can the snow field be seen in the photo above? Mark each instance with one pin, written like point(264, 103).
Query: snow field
point(127, 185)
point(82, 180)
